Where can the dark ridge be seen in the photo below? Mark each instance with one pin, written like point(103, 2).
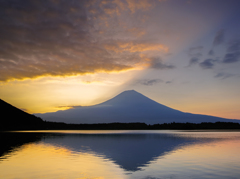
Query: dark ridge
point(13, 118)
point(142, 126)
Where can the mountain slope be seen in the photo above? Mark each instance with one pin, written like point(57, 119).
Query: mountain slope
point(14, 118)
point(129, 106)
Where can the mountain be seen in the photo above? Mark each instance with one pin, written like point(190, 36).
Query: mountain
point(129, 106)
point(13, 118)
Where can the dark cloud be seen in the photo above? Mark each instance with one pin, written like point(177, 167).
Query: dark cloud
point(168, 82)
point(195, 51)
point(61, 37)
point(219, 38)
point(42, 37)
point(231, 57)
point(156, 63)
point(223, 75)
point(211, 52)
point(193, 61)
point(148, 82)
point(234, 46)
point(207, 64)
point(151, 82)
point(233, 52)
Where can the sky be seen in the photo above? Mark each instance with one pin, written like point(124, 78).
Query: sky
point(59, 54)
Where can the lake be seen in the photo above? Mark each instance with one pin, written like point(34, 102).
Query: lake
point(130, 154)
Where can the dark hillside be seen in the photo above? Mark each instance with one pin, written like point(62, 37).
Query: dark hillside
point(12, 118)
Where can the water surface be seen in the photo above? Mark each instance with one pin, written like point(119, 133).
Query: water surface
point(120, 154)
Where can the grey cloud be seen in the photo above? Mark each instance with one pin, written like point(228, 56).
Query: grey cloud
point(231, 57)
point(219, 38)
point(234, 46)
point(223, 75)
point(156, 63)
point(148, 82)
point(196, 51)
point(207, 64)
point(211, 52)
point(168, 82)
point(233, 52)
point(193, 61)
point(151, 82)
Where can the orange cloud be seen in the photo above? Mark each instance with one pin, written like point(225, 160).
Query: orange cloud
point(117, 7)
point(137, 32)
point(134, 5)
point(143, 47)
point(138, 47)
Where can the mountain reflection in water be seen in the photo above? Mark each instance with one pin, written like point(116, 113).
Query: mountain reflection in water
point(129, 154)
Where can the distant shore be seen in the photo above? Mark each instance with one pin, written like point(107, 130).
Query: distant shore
point(45, 125)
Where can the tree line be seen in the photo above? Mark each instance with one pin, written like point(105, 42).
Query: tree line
point(143, 126)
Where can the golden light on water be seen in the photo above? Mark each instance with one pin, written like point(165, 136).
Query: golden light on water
point(48, 161)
